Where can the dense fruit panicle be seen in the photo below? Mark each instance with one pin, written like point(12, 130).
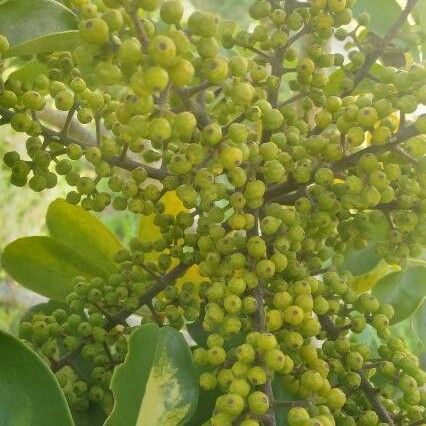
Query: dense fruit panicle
point(253, 194)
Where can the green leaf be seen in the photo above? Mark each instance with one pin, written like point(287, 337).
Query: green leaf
point(383, 13)
point(157, 383)
point(65, 40)
point(419, 14)
point(281, 394)
point(29, 392)
point(418, 321)
point(205, 407)
point(367, 337)
point(404, 290)
point(46, 266)
point(35, 26)
point(405, 330)
point(29, 71)
point(84, 233)
point(360, 262)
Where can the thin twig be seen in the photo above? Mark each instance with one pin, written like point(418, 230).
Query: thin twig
point(68, 120)
point(140, 30)
point(98, 130)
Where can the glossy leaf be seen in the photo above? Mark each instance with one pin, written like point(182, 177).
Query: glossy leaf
point(383, 13)
point(157, 383)
point(365, 282)
point(66, 40)
point(46, 266)
point(29, 392)
point(35, 26)
point(367, 337)
point(83, 232)
point(360, 262)
point(404, 290)
point(407, 331)
point(196, 331)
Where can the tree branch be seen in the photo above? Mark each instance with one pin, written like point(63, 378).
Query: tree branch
point(368, 389)
point(157, 288)
point(140, 30)
point(123, 163)
point(285, 192)
point(371, 393)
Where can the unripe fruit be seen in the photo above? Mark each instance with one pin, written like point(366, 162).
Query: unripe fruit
point(162, 50)
point(156, 78)
point(215, 69)
point(297, 416)
point(94, 31)
point(181, 72)
point(231, 157)
point(258, 403)
point(202, 24)
point(171, 11)
point(242, 94)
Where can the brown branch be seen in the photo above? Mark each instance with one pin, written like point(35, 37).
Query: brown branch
point(140, 30)
point(372, 395)
point(68, 120)
point(260, 325)
point(98, 130)
point(195, 107)
point(264, 55)
point(192, 91)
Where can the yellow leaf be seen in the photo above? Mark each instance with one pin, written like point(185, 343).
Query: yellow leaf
point(148, 231)
point(192, 275)
point(366, 282)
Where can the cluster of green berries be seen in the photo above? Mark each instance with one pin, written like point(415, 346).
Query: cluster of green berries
point(92, 321)
point(85, 380)
point(274, 188)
